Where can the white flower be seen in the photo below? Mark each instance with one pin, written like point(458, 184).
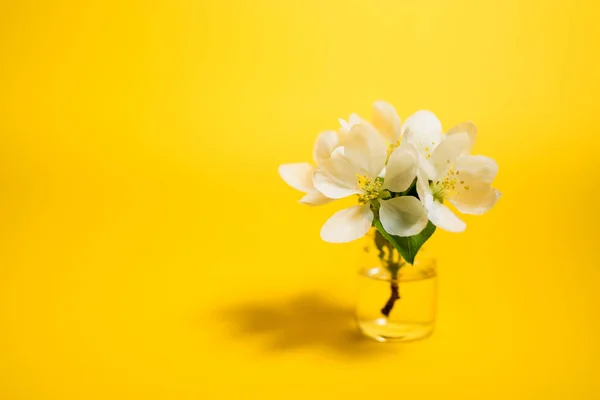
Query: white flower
point(356, 170)
point(300, 175)
point(385, 120)
point(447, 171)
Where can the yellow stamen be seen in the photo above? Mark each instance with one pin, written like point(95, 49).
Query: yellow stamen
point(369, 187)
point(446, 186)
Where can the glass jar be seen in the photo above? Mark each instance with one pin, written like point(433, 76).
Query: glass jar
point(396, 300)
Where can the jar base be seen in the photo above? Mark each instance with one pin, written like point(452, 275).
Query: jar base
point(383, 330)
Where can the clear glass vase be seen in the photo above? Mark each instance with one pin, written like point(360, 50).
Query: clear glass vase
point(396, 300)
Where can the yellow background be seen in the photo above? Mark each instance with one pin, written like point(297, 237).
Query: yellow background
point(149, 249)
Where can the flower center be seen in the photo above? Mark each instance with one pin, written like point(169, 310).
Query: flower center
point(450, 185)
point(370, 188)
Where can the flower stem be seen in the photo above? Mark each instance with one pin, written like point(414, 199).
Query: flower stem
point(392, 265)
point(394, 296)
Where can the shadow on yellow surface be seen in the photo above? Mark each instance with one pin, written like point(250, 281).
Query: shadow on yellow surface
point(307, 320)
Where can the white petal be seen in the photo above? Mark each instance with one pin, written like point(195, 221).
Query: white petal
point(348, 225)
point(403, 216)
point(445, 155)
point(338, 152)
point(344, 129)
point(426, 167)
point(424, 190)
point(477, 200)
point(298, 175)
point(356, 119)
point(401, 168)
point(386, 120)
point(424, 130)
point(332, 188)
point(315, 198)
point(442, 217)
point(336, 178)
point(344, 124)
point(366, 150)
point(475, 169)
point(423, 122)
point(325, 144)
point(474, 195)
point(470, 129)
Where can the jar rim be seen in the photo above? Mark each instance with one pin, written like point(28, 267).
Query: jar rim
point(407, 273)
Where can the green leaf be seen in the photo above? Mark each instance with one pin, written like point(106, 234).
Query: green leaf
point(408, 246)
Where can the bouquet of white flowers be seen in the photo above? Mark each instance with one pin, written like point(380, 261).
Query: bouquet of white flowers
point(401, 175)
